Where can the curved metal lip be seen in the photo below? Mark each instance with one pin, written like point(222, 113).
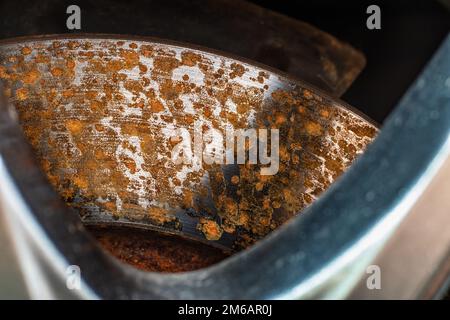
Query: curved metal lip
point(148, 227)
point(350, 217)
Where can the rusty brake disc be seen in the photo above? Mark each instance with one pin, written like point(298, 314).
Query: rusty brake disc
point(101, 113)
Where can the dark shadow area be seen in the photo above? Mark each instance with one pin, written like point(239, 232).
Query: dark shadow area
point(411, 31)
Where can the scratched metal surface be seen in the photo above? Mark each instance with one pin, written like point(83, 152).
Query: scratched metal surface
point(101, 113)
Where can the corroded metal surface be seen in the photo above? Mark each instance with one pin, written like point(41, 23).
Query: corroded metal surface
point(101, 115)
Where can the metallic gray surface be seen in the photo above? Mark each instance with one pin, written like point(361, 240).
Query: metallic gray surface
point(416, 258)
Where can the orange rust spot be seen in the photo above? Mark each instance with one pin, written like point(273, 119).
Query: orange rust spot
point(276, 204)
point(130, 129)
point(114, 65)
point(190, 59)
point(131, 58)
point(40, 58)
point(307, 94)
point(259, 186)
point(143, 68)
point(324, 113)
point(80, 183)
point(313, 128)
point(3, 73)
point(362, 131)
point(210, 229)
point(56, 72)
point(238, 70)
point(73, 45)
point(26, 51)
point(160, 215)
point(156, 106)
point(175, 140)
point(95, 105)
point(22, 94)
point(70, 64)
point(235, 179)
point(146, 50)
point(31, 76)
point(111, 206)
point(74, 126)
point(165, 65)
point(280, 118)
point(68, 93)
